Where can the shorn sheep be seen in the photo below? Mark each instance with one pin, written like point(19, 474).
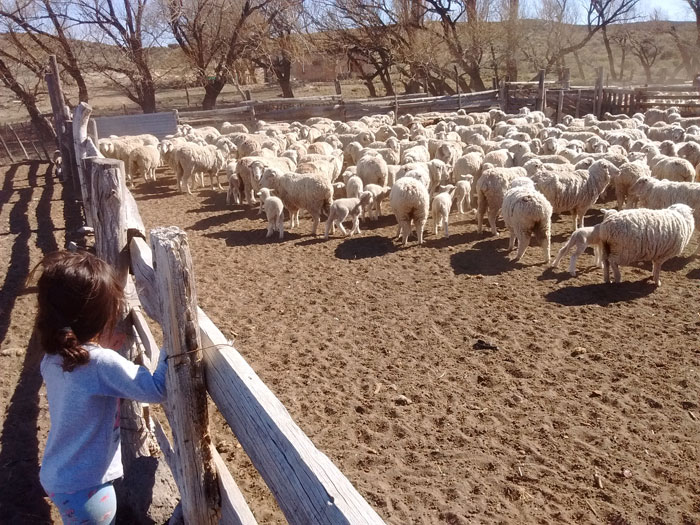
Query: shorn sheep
point(409, 199)
point(193, 159)
point(490, 188)
point(274, 211)
point(442, 203)
point(527, 212)
point(579, 241)
point(347, 209)
point(639, 235)
point(311, 192)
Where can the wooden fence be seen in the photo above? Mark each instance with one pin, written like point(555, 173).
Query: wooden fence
point(160, 282)
point(20, 142)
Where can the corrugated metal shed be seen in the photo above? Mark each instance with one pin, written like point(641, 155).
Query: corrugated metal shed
point(158, 124)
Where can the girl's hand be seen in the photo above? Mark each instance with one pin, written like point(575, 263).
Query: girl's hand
point(116, 340)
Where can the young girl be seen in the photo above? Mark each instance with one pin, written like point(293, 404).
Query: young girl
point(79, 301)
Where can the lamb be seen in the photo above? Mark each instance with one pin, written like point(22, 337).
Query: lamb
point(144, 159)
point(311, 192)
point(490, 189)
point(442, 203)
point(576, 191)
point(463, 191)
point(250, 171)
point(379, 193)
point(274, 211)
point(354, 186)
point(641, 235)
point(580, 239)
point(409, 199)
point(233, 193)
point(526, 212)
point(349, 208)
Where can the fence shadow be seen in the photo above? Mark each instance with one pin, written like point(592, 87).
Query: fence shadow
point(251, 237)
point(601, 294)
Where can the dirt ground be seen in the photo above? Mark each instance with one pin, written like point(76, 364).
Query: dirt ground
point(586, 412)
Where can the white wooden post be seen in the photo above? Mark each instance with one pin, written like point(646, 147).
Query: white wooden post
point(187, 395)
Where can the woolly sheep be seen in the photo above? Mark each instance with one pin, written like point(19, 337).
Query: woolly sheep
point(250, 171)
point(690, 151)
point(576, 191)
point(467, 165)
point(233, 193)
point(348, 208)
point(144, 160)
point(580, 240)
point(354, 186)
point(372, 170)
point(274, 211)
point(490, 189)
point(442, 203)
point(409, 199)
point(192, 159)
point(311, 192)
point(630, 172)
point(526, 212)
point(640, 235)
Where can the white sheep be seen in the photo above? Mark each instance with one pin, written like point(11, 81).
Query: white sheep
point(251, 169)
point(463, 190)
point(193, 159)
point(639, 235)
point(372, 169)
point(630, 172)
point(409, 199)
point(580, 240)
point(144, 160)
point(354, 186)
point(469, 164)
point(348, 208)
point(311, 192)
point(526, 212)
point(274, 211)
point(442, 203)
point(490, 189)
point(576, 191)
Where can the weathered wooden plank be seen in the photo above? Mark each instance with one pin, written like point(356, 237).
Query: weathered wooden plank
point(134, 223)
point(21, 145)
point(308, 487)
point(234, 508)
point(7, 150)
point(144, 277)
point(187, 396)
point(147, 340)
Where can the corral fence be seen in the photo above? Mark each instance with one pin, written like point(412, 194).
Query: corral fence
point(20, 142)
point(159, 281)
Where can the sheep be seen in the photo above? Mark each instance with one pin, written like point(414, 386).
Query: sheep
point(630, 172)
point(409, 199)
point(641, 235)
point(690, 151)
point(490, 188)
point(348, 208)
point(575, 192)
point(467, 165)
point(354, 186)
point(372, 169)
point(274, 211)
point(233, 193)
point(442, 203)
point(144, 159)
point(526, 212)
point(658, 194)
point(250, 170)
point(379, 193)
point(672, 168)
point(192, 159)
point(580, 239)
point(463, 190)
point(416, 153)
point(311, 192)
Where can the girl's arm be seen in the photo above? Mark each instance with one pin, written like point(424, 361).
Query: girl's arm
point(119, 377)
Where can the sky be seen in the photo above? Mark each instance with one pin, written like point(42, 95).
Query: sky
point(673, 9)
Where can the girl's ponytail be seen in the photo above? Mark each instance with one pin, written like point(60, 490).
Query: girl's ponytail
point(70, 349)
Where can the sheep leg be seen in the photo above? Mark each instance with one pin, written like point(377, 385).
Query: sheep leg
point(561, 254)
point(523, 243)
point(315, 219)
point(572, 263)
point(280, 225)
point(493, 215)
point(546, 248)
point(616, 271)
point(655, 271)
point(329, 225)
point(342, 229)
point(355, 226)
point(481, 209)
point(511, 240)
point(606, 270)
point(446, 226)
point(419, 230)
point(404, 230)
point(270, 229)
point(436, 223)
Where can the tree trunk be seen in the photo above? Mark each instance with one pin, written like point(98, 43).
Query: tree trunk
point(148, 97)
point(512, 40)
point(83, 95)
point(370, 86)
point(283, 71)
point(608, 50)
point(647, 73)
point(579, 65)
point(385, 78)
point(212, 89)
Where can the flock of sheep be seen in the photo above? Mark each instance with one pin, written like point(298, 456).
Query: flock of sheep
point(519, 165)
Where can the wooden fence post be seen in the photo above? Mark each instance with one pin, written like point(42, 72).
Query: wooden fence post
point(539, 100)
point(457, 88)
point(566, 79)
point(7, 150)
point(598, 93)
point(338, 88)
point(578, 103)
point(503, 95)
point(560, 105)
point(187, 395)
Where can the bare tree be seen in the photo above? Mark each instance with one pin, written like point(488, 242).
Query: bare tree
point(45, 24)
point(214, 35)
point(124, 30)
point(647, 49)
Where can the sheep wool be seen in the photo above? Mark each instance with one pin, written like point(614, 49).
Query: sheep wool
point(409, 199)
point(526, 212)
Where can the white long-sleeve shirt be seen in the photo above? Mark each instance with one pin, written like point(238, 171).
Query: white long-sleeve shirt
point(84, 448)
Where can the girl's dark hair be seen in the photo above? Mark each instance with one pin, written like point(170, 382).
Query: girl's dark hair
point(79, 298)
